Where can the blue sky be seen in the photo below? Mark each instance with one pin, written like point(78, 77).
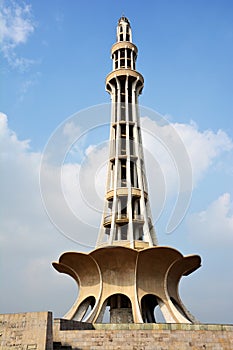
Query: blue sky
point(55, 56)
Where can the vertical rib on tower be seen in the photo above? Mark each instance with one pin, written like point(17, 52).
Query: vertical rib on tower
point(127, 217)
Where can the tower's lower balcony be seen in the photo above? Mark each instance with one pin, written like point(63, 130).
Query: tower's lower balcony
point(122, 219)
point(107, 221)
point(138, 219)
point(123, 191)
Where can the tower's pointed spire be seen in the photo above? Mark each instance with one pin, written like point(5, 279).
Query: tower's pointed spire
point(127, 216)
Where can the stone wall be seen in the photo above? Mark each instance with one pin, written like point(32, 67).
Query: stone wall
point(149, 337)
point(36, 331)
point(26, 331)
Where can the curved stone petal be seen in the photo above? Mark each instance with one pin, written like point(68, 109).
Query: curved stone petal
point(155, 266)
point(152, 266)
point(117, 265)
point(85, 271)
point(181, 268)
point(65, 269)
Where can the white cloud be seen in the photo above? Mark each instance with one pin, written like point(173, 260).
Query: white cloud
point(27, 237)
point(210, 233)
point(213, 227)
point(71, 130)
point(21, 205)
point(177, 158)
point(84, 186)
point(203, 148)
point(16, 25)
point(27, 85)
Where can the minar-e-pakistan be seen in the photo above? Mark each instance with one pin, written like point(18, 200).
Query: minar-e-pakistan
point(128, 271)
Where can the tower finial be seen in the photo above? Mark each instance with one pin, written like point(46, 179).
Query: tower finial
point(124, 32)
point(123, 18)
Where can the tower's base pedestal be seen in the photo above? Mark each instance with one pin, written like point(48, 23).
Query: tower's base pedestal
point(151, 336)
point(119, 277)
point(38, 331)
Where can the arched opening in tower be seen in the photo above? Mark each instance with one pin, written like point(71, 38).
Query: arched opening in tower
point(85, 309)
point(118, 309)
point(151, 312)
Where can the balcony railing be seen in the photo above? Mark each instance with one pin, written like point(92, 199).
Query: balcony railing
point(123, 218)
point(138, 217)
point(107, 220)
point(120, 219)
point(122, 183)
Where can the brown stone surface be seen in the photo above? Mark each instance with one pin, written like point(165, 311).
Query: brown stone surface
point(26, 331)
point(149, 337)
point(33, 331)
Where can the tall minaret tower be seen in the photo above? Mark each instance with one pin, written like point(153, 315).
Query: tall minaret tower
point(127, 276)
point(127, 216)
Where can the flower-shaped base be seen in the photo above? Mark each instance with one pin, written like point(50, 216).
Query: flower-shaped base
point(132, 283)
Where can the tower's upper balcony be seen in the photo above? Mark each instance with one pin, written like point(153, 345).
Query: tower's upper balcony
point(124, 52)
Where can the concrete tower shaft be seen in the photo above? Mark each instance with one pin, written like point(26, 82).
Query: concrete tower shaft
point(127, 216)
